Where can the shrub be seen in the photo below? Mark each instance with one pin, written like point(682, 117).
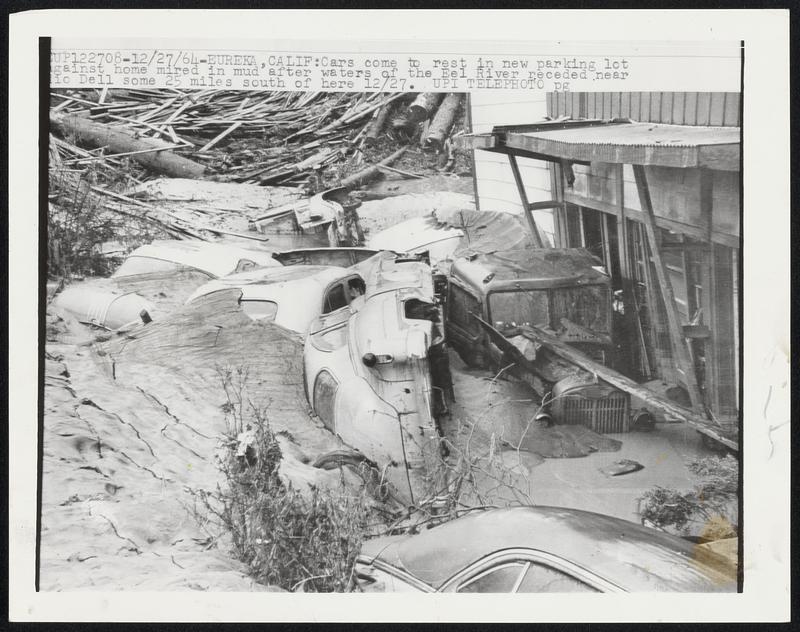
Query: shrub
point(287, 538)
point(708, 504)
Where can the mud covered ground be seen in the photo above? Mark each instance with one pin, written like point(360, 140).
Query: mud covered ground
point(133, 422)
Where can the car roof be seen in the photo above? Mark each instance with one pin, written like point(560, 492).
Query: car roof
point(414, 234)
point(268, 276)
point(544, 267)
point(629, 555)
point(212, 258)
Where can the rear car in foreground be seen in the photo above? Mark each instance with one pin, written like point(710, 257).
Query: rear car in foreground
point(540, 550)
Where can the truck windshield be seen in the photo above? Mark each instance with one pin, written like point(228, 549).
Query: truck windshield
point(523, 307)
point(586, 306)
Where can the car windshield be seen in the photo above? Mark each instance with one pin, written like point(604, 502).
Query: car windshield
point(586, 306)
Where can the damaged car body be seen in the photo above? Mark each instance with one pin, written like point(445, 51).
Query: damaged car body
point(374, 374)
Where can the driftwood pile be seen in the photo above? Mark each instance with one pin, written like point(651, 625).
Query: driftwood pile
point(105, 145)
point(266, 138)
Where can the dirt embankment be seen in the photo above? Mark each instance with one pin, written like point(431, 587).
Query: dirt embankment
point(131, 430)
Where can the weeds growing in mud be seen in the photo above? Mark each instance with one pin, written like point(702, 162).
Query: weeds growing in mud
point(79, 222)
point(708, 504)
point(298, 540)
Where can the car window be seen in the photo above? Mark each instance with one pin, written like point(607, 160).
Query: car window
point(260, 310)
point(335, 298)
point(460, 307)
point(324, 396)
point(545, 579)
point(244, 265)
point(498, 579)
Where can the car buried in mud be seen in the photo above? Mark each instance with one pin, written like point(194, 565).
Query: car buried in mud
point(291, 296)
point(491, 295)
point(376, 375)
point(540, 550)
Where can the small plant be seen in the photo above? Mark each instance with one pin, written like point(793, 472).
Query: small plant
point(287, 538)
point(709, 504)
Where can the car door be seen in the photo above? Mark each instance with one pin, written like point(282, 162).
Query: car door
point(462, 329)
point(526, 571)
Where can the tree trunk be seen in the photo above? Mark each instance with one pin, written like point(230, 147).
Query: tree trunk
point(423, 106)
point(370, 172)
point(118, 141)
point(443, 121)
point(376, 125)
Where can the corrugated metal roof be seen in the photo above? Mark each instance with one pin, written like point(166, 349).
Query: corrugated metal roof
point(682, 146)
point(643, 134)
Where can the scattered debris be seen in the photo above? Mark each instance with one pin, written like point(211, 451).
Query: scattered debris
point(623, 466)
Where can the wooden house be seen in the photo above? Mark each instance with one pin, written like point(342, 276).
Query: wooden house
point(650, 183)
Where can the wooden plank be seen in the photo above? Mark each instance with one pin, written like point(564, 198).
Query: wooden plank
point(625, 105)
point(540, 206)
point(575, 104)
point(636, 106)
point(680, 350)
point(662, 222)
point(558, 213)
point(523, 196)
point(549, 106)
point(607, 105)
point(678, 108)
point(666, 107)
point(703, 108)
point(717, 110)
point(662, 361)
point(616, 105)
point(690, 109)
point(607, 374)
point(731, 117)
point(655, 107)
point(591, 105)
point(644, 108)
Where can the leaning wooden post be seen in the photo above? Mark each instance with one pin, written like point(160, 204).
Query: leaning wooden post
point(537, 238)
point(679, 347)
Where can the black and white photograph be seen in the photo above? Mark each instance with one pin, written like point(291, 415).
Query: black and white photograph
point(473, 331)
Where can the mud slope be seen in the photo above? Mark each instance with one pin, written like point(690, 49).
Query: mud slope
point(132, 425)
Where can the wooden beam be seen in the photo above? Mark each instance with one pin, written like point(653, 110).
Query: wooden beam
point(526, 207)
point(632, 315)
point(560, 219)
point(695, 231)
point(539, 206)
point(679, 347)
point(616, 379)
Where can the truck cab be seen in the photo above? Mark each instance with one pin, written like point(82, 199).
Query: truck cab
point(564, 291)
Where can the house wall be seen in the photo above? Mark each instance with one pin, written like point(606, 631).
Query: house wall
point(677, 108)
point(495, 186)
point(699, 280)
point(675, 194)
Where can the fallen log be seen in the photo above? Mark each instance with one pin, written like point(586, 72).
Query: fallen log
point(443, 121)
point(370, 172)
point(423, 106)
point(151, 153)
point(377, 124)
